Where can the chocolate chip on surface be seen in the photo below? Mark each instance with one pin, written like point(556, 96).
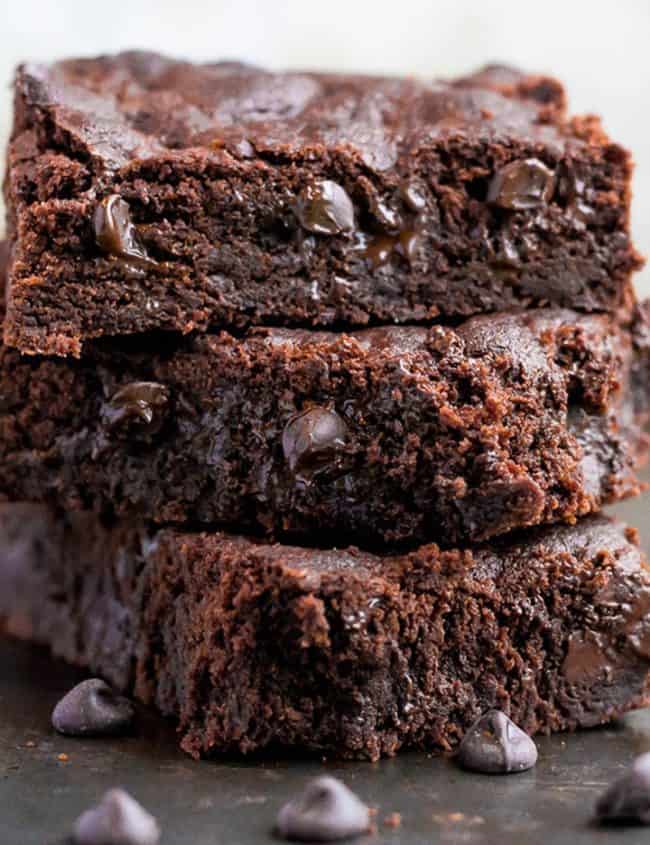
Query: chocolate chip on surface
point(117, 820)
point(495, 745)
point(325, 811)
point(139, 406)
point(313, 439)
point(92, 708)
point(324, 208)
point(627, 800)
point(521, 185)
point(115, 233)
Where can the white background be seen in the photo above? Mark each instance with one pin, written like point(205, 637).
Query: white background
point(599, 48)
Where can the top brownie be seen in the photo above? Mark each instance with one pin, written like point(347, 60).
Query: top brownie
point(145, 193)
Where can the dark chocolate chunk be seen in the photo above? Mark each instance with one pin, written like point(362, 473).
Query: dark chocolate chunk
point(627, 800)
point(92, 708)
point(117, 820)
point(313, 440)
point(521, 185)
point(325, 209)
point(495, 745)
point(115, 233)
point(325, 811)
point(139, 406)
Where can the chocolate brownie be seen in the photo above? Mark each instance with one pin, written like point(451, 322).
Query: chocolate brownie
point(251, 645)
point(148, 193)
point(382, 435)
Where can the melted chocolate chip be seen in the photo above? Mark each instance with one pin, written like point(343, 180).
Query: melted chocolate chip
point(92, 708)
point(413, 197)
point(571, 192)
point(586, 659)
point(387, 217)
point(409, 243)
point(378, 251)
point(325, 209)
point(495, 745)
point(314, 440)
point(117, 820)
point(521, 185)
point(115, 233)
point(138, 407)
point(627, 800)
point(402, 232)
point(325, 811)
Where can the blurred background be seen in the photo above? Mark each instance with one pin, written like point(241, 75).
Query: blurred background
point(598, 48)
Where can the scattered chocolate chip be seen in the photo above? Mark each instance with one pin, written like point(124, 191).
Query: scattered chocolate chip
point(495, 745)
point(325, 811)
point(115, 233)
point(92, 708)
point(627, 800)
point(325, 209)
point(313, 439)
point(117, 820)
point(139, 406)
point(521, 185)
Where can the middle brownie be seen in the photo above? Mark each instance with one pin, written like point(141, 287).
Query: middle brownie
point(385, 435)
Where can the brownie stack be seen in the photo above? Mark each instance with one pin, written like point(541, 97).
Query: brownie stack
point(312, 390)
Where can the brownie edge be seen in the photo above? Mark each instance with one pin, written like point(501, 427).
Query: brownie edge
point(250, 645)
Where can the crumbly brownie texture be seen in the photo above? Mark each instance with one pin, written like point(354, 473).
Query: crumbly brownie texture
point(251, 645)
point(398, 434)
point(148, 193)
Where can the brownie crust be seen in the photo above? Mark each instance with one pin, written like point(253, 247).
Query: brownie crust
point(146, 193)
point(253, 646)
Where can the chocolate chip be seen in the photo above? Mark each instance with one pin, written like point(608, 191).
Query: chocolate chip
point(139, 406)
point(413, 197)
point(115, 233)
point(495, 745)
point(313, 440)
point(325, 811)
point(627, 801)
point(117, 820)
point(92, 708)
point(379, 250)
point(388, 218)
point(325, 209)
point(521, 185)
point(409, 244)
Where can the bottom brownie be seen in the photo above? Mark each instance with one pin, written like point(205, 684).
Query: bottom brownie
point(252, 645)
